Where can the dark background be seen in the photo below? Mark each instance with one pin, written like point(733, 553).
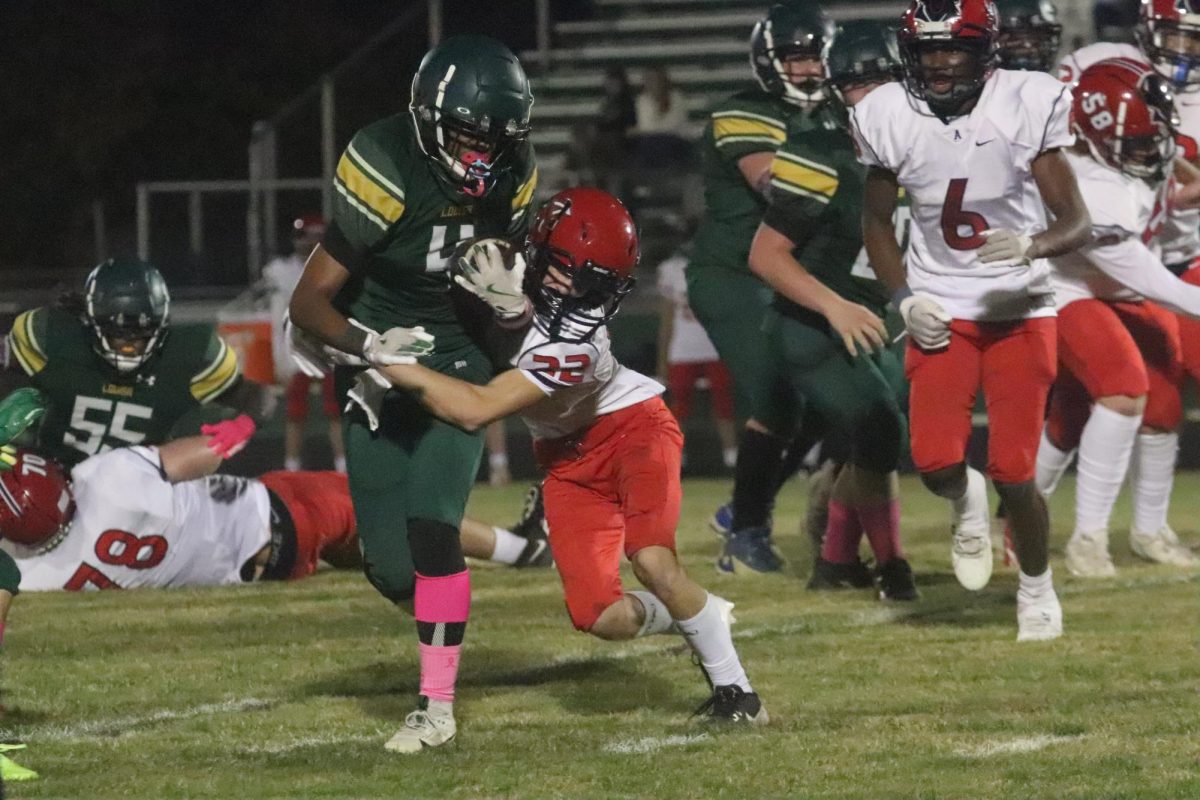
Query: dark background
point(97, 96)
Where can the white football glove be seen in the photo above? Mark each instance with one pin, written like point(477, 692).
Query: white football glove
point(397, 346)
point(483, 274)
point(367, 393)
point(315, 358)
point(1005, 248)
point(926, 321)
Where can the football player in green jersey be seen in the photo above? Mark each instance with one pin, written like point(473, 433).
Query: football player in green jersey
point(1029, 34)
point(827, 342)
point(738, 146)
point(112, 372)
point(411, 188)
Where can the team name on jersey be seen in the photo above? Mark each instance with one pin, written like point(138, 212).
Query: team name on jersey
point(456, 211)
point(117, 389)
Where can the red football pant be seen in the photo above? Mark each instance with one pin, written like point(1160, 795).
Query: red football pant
point(1189, 333)
point(1015, 364)
point(1115, 349)
point(297, 397)
point(682, 378)
point(612, 489)
point(322, 514)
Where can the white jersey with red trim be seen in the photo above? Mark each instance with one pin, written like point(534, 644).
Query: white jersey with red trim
point(1122, 208)
point(1180, 236)
point(582, 381)
point(689, 343)
point(134, 528)
point(966, 176)
point(1073, 64)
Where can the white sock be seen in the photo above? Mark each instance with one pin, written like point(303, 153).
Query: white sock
point(1052, 463)
point(339, 464)
point(657, 618)
point(709, 636)
point(1152, 476)
point(1104, 452)
point(291, 464)
point(971, 510)
point(498, 460)
point(1034, 589)
point(508, 546)
point(729, 456)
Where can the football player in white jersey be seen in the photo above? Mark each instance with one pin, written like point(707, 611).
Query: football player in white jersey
point(979, 151)
point(1168, 35)
point(610, 447)
point(1116, 350)
point(183, 526)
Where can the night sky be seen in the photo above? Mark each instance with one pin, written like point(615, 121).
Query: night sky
point(100, 95)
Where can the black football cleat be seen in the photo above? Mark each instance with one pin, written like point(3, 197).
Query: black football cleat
point(827, 575)
point(732, 705)
point(532, 527)
point(896, 582)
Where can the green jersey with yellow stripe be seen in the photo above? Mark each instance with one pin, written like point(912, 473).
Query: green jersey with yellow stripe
point(749, 122)
point(816, 201)
point(91, 406)
point(396, 222)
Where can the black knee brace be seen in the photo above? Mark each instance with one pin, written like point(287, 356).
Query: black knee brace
point(435, 548)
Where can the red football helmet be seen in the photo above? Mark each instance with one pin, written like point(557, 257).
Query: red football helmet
point(1168, 32)
point(1125, 112)
point(967, 26)
point(36, 505)
point(587, 236)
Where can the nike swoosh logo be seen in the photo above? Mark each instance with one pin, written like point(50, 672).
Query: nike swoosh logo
point(491, 288)
point(985, 141)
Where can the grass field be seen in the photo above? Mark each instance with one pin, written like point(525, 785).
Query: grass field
point(290, 691)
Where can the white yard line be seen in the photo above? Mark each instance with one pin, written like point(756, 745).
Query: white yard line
point(1022, 744)
point(652, 744)
point(107, 728)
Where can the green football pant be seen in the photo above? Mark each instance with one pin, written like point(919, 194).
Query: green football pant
point(852, 394)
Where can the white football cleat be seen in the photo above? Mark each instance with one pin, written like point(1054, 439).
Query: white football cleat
point(1039, 622)
point(1162, 547)
point(1088, 556)
point(431, 725)
point(971, 550)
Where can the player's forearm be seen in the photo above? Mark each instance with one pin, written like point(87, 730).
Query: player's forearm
point(1072, 225)
point(464, 405)
point(188, 458)
point(771, 260)
point(314, 314)
point(1133, 265)
point(312, 308)
point(884, 254)
point(880, 195)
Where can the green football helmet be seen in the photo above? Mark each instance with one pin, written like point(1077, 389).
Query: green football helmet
point(788, 31)
point(861, 52)
point(470, 105)
point(126, 305)
point(1029, 34)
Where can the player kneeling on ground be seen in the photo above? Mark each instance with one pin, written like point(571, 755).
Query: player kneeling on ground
point(610, 447)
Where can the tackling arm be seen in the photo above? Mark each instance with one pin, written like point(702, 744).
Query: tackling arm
point(1131, 263)
point(466, 405)
point(1072, 224)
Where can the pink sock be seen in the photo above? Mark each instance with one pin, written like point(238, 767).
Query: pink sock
point(881, 522)
point(442, 605)
point(439, 671)
point(842, 534)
